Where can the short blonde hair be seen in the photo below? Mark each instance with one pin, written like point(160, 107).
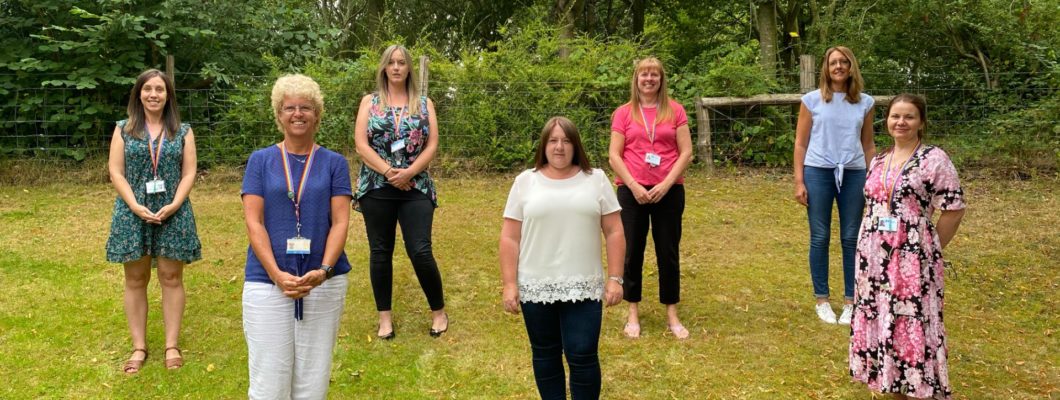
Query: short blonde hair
point(300, 86)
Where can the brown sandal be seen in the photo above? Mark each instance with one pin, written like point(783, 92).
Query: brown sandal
point(175, 362)
point(131, 367)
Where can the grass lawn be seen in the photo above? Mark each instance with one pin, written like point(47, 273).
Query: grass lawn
point(746, 298)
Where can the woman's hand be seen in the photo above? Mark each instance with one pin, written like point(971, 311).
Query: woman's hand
point(800, 194)
point(510, 298)
point(313, 278)
point(145, 214)
point(166, 211)
point(639, 193)
point(400, 178)
point(659, 191)
point(612, 293)
point(292, 286)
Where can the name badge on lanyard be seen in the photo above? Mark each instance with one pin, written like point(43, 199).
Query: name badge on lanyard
point(653, 159)
point(156, 185)
point(889, 223)
point(399, 142)
point(297, 244)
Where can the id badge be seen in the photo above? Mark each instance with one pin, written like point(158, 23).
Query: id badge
point(397, 146)
point(888, 224)
point(156, 186)
point(652, 159)
point(298, 245)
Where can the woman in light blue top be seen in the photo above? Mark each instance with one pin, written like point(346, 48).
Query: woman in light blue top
point(833, 143)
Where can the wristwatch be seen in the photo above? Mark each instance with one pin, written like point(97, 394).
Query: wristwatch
point(329, 271)
point(617, 279)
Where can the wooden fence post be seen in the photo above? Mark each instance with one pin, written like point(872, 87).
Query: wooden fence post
point(703, 147)
point(170, 70)
point(807, 83)
point(424, 75)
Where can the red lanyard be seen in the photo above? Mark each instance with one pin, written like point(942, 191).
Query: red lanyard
point(296, 197)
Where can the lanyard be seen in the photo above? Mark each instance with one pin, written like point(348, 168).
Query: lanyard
point(155, 158)
point(398, 117)
point(296, 197)
point(654, 124)
point(889, 188)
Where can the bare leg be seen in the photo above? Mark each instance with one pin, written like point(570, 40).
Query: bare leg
point(632, 328)
point(171, 278)
point(137, 275)
point(386, 323)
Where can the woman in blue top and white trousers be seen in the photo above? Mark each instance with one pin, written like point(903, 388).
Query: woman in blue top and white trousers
point(833, 144)
point(296, 200)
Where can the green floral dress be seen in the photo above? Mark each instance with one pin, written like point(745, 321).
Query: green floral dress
point(414, 130)
point(130, 237)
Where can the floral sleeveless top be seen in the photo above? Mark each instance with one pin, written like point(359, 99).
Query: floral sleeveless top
point(413, 129)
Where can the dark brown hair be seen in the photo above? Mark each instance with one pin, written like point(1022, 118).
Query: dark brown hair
point(921, 107)
point(579, 157)
point(137, 118)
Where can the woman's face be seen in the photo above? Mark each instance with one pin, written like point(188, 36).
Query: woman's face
point(904, 122)
point(648, 81)
point(559, 150)
point(838, 67)
point(397, 69)
point(298, 116)
point(153, 95)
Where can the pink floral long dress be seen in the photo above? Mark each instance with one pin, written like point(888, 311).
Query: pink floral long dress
point(897, 339)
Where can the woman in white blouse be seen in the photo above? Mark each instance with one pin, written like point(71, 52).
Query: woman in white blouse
point(550, 260)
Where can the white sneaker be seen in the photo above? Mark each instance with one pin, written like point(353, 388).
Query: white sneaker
point(848, 312)
point(824, 311)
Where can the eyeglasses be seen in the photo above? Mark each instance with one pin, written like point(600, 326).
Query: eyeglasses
point(293, 109)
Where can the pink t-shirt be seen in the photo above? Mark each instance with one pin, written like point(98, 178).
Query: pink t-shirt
point(637, 145)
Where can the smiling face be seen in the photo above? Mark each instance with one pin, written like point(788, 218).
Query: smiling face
point(559, 150)
point(904, 122)
point(838, 67)
point(153, 95)
point(648, 81)
point(397, 69)
point(298, 116)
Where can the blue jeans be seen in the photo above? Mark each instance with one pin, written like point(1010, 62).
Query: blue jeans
point(571, 328)
point(821, 192)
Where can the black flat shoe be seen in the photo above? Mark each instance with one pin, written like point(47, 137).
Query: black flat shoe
point(389, 336)
point(438, 333)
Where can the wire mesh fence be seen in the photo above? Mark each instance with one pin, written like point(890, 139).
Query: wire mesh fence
point(494, 125)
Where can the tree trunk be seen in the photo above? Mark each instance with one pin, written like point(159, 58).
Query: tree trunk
point(374, 11)
point(564, 13)
point(766, 21)
point(637, 8)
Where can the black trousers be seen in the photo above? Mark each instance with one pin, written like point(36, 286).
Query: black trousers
point(381, 218)
point(664, 220)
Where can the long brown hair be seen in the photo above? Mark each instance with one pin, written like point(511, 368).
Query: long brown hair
point(138, 118)
point(579, 157)
point(382, 84)
point(855, 83)
point(663, 112)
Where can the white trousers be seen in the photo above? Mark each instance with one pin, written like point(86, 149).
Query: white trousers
point(291, 359)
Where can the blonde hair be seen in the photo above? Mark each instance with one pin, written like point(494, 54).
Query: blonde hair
point(664, 112)
point(382, 84)
point(855, 83)
point(300, 86)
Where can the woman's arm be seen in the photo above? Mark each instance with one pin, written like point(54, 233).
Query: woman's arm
point(116, 168)
point(614, 157)
point(340, 223)
point(426, 156)
point(187, 178)
point(254, 213)
point(360, 138)
point(615, 243)
point(802, 142)
point(947, 226)
point(511, 234)
point(868, 143)
point(684, 158)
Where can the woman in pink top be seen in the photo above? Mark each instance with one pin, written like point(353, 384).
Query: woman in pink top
point(650, 149)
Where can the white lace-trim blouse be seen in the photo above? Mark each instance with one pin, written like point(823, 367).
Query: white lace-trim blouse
point(561, 239)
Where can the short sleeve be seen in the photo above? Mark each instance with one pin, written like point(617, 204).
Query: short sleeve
point(869, 102)
point(809, 100)
point(513, 208)
point(618, 120)
point(253, 175)
point(608, 200)
point(340, 176)
point(946, 193)
point(680, 116)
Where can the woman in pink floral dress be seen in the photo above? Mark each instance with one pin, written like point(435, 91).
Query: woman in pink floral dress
point(897, 340)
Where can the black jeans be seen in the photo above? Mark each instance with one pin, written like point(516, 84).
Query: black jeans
point(664, 219)
point(381, 217)
point(571, 328)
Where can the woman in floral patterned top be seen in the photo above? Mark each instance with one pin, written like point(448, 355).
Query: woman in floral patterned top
point(397, 137)
point(897, 340)
point(152, 167)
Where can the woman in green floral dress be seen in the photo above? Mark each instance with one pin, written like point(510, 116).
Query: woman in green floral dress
point(152, 166)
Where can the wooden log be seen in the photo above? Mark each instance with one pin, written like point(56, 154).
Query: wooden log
point(807, 82)
point(703, 145)
point(424, 75)
point(170, 70)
